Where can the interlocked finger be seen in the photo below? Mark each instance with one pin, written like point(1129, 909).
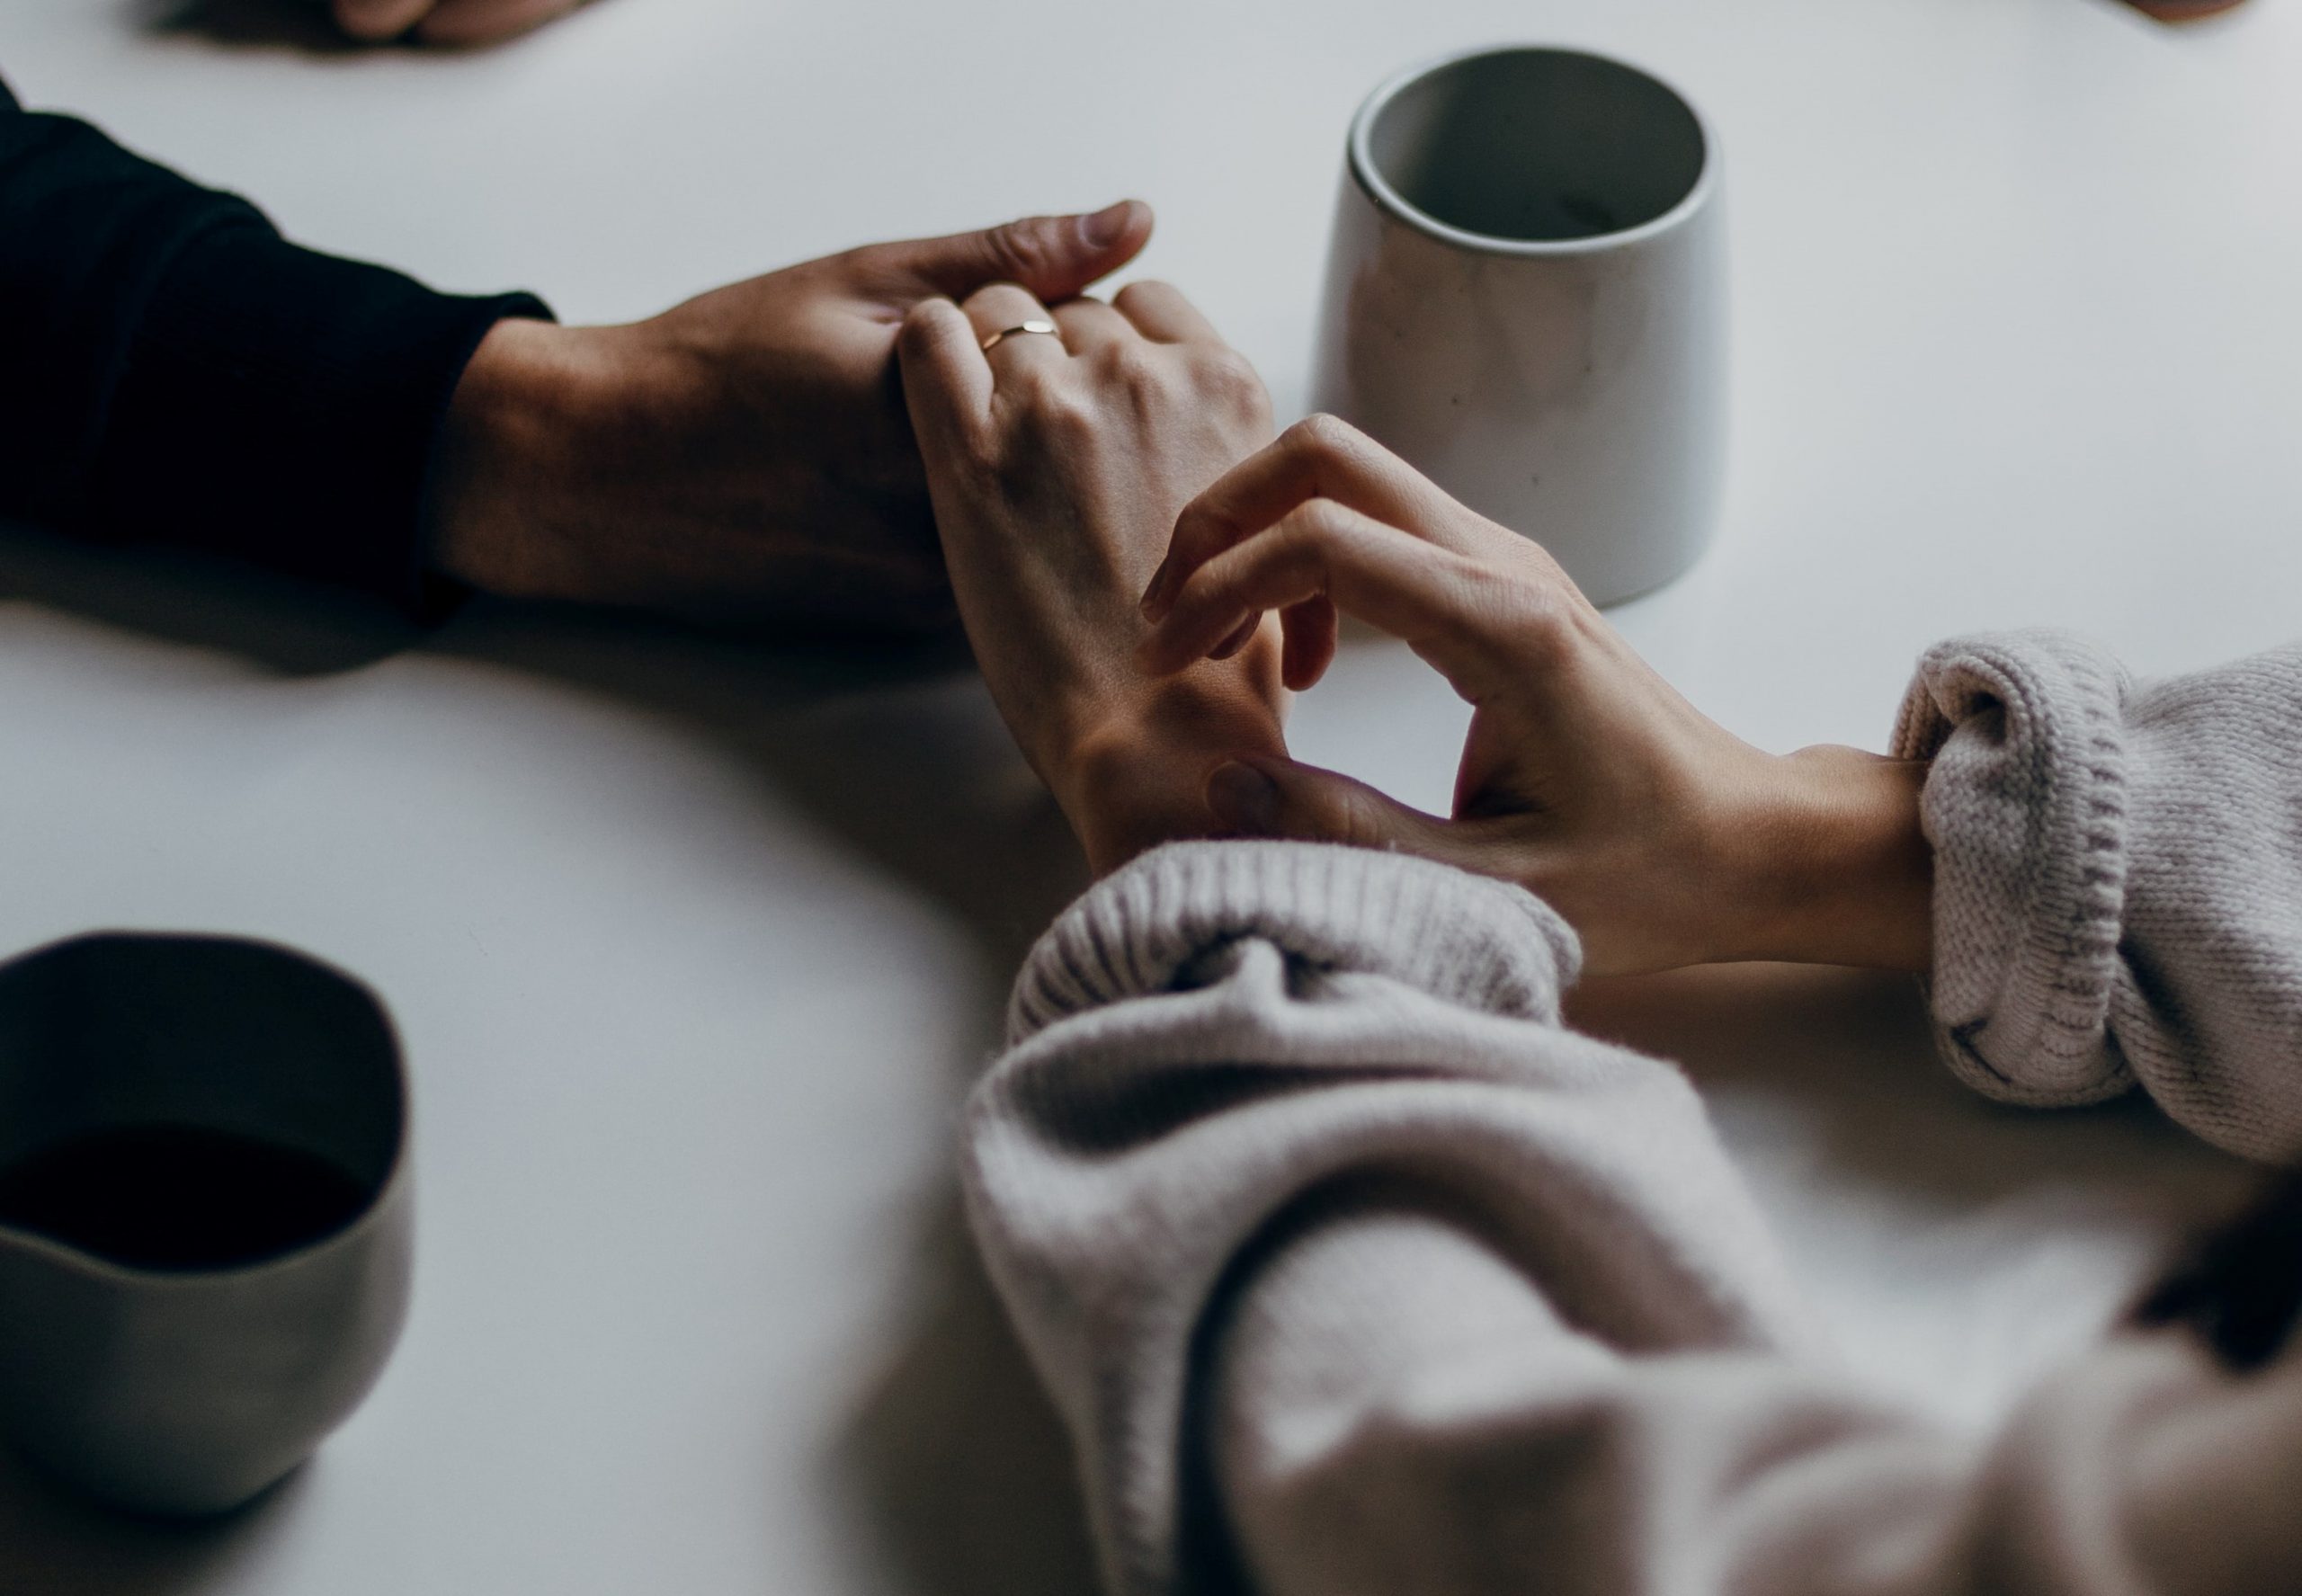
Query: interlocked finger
point(1434, 599)
point(1320, 458)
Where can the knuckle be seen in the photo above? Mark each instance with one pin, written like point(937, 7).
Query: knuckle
point(1229, 376)
point(1533, 616)
point(1020, 249)
point(1056, 412)
point(1316, 523)
point(1128, 364)
point(1322, 436)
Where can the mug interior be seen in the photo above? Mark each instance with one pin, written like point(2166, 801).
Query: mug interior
point(1534, 146)
point(149, 1036)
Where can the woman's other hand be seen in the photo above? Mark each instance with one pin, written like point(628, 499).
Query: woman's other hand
point(1056, 464)
point(1664, 838)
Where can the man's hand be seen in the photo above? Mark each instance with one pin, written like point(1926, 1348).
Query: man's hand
point(744, 457)
point(445, 22)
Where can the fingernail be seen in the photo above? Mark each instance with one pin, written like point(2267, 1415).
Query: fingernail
point(1107, 226)
point(1244, 799)
point(1151, 606)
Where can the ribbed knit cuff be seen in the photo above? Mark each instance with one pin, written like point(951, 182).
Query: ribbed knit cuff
point(280, 405)
point(1457, 936)
point(2025, 806)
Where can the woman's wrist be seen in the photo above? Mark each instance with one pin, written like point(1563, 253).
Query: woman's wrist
point(1831, 864)
point(1135, 775)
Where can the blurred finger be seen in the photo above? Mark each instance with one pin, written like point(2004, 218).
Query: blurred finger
point(1438, 601)
point(378, 20)
point(1002, 312)
point(1319, 457)
point(1161, 313)
point(1089, 323)
point(485, 22)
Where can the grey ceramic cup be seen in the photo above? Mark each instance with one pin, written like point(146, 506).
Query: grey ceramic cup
point(1526, 299)
point(187, 1391)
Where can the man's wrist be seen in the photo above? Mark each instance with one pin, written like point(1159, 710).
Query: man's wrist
point(508, 448)
point(1832, 864)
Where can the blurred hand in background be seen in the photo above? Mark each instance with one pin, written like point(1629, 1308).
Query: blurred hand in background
point(446, 21)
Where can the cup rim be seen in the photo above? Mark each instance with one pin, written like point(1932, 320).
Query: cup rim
point(389, 1191)
point(1361, 161)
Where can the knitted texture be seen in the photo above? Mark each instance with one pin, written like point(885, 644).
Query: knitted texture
point(1353, 1273)
point(1455, 936)
point(1223, 1037)
point(2118, 881)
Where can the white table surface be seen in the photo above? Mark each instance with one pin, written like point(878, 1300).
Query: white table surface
point(694, 949)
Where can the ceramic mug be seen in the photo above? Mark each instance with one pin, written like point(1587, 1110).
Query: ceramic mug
point(1526, 299)
point(205, 1214)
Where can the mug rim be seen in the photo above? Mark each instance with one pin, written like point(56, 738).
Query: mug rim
point(1361, 161)
point(388, 1193)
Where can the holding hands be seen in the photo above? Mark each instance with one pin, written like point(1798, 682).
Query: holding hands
point(742, 459)
point(1148, 692)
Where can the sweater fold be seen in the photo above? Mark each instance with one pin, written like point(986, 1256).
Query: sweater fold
point(2118, 896)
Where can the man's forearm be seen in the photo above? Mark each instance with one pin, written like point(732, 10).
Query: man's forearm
point(177, 372)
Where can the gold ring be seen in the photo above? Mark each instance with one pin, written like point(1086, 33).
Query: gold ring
point(992, 343)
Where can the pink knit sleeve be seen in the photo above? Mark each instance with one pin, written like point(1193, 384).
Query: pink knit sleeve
point(2118, 881)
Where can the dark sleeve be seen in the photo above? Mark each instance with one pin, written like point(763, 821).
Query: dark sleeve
point(172, 370)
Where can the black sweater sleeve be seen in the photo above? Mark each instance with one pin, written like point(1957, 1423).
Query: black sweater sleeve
point(172, 370)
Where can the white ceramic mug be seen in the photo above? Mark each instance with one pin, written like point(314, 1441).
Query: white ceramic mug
point(1526, 299)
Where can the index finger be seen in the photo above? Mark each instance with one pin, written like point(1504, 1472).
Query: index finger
point(1441, 603)
point(1317, 458)
point(946, 378)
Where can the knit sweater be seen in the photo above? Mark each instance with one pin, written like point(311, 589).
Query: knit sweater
point(2117, 892)
point(1350, 1270)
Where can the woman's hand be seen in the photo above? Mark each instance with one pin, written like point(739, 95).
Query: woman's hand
point(1056, 465)
point(1661, 837)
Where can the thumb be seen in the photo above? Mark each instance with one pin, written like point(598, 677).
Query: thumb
point(1053, 256)
point(1256, 796)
